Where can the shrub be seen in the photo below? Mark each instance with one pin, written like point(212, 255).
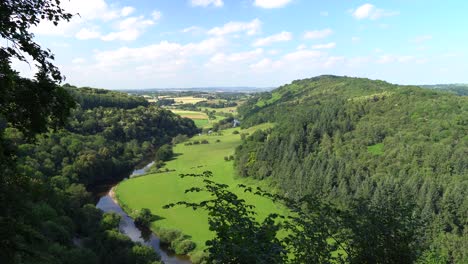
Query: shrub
point(231, 157)
point(217, 141)
point(226, 158)
point(179, 139)
point(144, 217)
point(182, 246)
point(236, 132)
point(188, 144)
point(196, 142)
point(166, 236)
point(164, 153)
point(205, 141)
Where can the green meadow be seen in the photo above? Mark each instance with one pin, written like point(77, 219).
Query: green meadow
point(153, 191)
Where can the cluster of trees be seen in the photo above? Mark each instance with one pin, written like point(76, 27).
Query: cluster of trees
point(89, 98)
point(46, 214)
point(348, 139)
point(460, 89)
point(98, 144)
point(381, 230)
point(220, 104)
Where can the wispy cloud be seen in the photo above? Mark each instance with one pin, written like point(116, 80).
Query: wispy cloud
point(318, 34)
point(280, 37)
point(271, 3)
point(369, 11)
point(205, 3)
point(330, 45)
point(250, 28)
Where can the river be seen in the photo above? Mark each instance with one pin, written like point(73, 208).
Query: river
point(127, 226)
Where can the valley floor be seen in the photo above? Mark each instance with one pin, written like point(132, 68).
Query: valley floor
point(153, 191)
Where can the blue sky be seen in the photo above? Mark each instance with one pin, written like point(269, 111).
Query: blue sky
point(119, 44)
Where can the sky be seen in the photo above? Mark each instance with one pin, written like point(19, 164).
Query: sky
point(123, 44)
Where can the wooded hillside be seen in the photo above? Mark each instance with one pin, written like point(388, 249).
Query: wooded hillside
point(344, 139)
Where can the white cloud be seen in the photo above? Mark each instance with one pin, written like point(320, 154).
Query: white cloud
point(301, 47)
point(84, 26)
point(369, 11)
point(251, 28)
point(126, 11)
point(86, 33)
point(156, 15)
point(192, 29)
point(271, 3)
point(330, 45)
point(318, 34)
point(205, 3)
point(388, 58)
point(161, 53)
point(302, 55)
point(129, 29)
point(280, 37)
point(221, 58)
point(78, 61)
point(421, 39)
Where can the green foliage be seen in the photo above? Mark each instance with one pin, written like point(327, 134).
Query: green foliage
point(110, 221)
point(344, 139)
point(144, 217)
point(239, 237)
point(376, 149)
point(89, 98)
point(164, 153)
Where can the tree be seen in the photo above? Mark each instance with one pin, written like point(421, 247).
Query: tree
point(29, 106)
point(144, 217)
point(239, 237)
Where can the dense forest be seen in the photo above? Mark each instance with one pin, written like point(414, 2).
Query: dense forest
point(460, 89)
point(59, 222)
point(89, 98)
point(350, 139)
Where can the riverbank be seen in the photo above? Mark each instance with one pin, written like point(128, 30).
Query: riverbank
point(109, 203)
point(153, 191)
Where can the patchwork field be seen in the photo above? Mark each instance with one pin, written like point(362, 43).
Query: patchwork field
point(156, 190)
point(188, 100)
point(200, 118)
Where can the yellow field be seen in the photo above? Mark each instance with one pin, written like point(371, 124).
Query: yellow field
point(189, 114)
point(188, 100)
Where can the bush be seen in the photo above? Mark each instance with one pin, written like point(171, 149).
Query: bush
point(188, 144)
point(110, 221)
point(226, 158)
point(166, 236)
point(196, 142)
point(205, 141)
point(236, 132)
point(144, 217)
point(179, 139)
point(164, 153)
point(231, 157)
point(217, 141)
point(182, 246)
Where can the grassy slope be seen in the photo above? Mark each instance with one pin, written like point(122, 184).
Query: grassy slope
point(154, 191)
point(201, 119)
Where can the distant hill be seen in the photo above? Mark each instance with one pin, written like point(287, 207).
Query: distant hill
point(89, 98)
point(460, 89)
point(344, 139)
point(240, 89)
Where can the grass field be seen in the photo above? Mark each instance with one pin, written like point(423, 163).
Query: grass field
point(200, 118)
point(188, 100)
point(156, 190)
